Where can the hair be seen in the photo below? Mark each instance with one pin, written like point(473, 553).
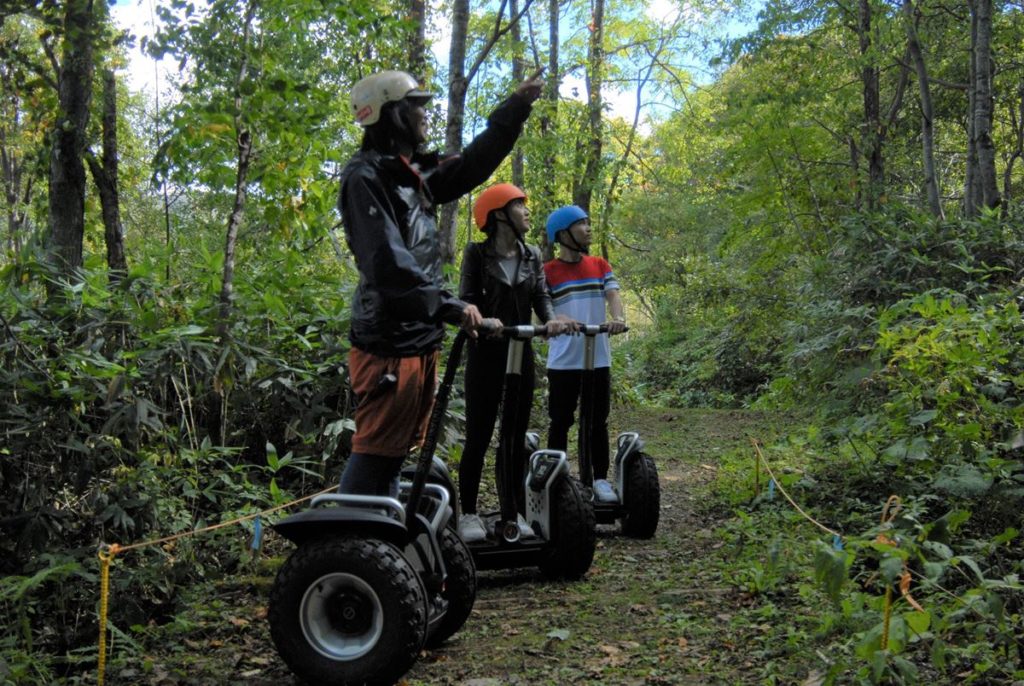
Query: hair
point(492, 222)
point(391, 130)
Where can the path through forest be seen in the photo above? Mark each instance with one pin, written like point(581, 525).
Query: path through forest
point(666, 611)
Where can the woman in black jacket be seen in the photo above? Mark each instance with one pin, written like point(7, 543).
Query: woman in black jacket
point(388, 198)
point(504, 278)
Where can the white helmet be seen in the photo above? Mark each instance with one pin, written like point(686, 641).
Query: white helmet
point(370, 94)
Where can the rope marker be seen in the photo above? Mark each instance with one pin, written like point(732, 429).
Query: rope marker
point(107, 552)
point(257, 533)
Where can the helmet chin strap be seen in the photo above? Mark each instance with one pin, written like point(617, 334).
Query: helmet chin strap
point(402, 127)
point(575, 246)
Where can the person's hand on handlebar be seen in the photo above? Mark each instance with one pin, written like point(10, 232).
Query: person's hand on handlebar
point(564, 325)
point(491, 327)
point(558, 326)
point(616, 326)
point(471, 319)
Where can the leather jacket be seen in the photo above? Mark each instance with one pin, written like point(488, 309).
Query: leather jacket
point(388, 207)
point(485, 284)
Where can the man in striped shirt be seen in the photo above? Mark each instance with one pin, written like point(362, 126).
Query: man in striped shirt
point(582, 286)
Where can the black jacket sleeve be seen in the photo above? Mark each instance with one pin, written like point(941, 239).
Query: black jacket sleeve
point(541, 296)
point(384, 261)
point(459, 174)
point(471, 281)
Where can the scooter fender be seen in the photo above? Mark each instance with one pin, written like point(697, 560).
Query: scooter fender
point(629, 447)
point(322, 522)
point(545, 468)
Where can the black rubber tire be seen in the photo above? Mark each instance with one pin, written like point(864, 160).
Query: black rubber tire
point(381, 579)
point(643, 498)
point(459, 587)
point(571, 548)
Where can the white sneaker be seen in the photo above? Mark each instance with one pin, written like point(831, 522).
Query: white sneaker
point(471, 528)
point(525, 530)
point(604, 492)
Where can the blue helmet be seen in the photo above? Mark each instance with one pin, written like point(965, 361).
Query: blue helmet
point(563, 218)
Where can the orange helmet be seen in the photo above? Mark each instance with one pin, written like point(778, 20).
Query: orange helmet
point(495, 198)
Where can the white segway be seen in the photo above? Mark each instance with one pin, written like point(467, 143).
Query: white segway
point(374, 578)
point(560, 517)
point(637, 501)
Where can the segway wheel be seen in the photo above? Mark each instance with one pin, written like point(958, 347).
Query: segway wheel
point(642, 498)
point(459, 587)
point(348, 611)
point(571, 548)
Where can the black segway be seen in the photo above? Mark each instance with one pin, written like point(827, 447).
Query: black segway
point(559, 515)
point(637, 502)
point(374, 578)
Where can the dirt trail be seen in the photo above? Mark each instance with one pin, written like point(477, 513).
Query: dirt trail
point(645, 614)
point(648, 612)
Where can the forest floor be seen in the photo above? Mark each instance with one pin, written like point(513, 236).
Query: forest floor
point(687, 607)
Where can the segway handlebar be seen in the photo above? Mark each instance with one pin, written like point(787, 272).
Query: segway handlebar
point(595, 329)
point(520, 332)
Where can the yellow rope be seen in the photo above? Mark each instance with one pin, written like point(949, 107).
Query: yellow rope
point(106, 556)
point(792, 502)
point(107, 552)
point(886, 616)
point(213, 527)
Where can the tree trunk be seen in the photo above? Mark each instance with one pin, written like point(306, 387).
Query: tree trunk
point(585, 190)
point(104, 173)
point(12, 175)
point(872, 132)
point(972, 191)
point(547, 126)
point(458, 84)
point(931, 179)
point(418, 56)
point(244, 141)
point(518, 74)
point(981, 49)
point(1017, 122)
point(67, 170)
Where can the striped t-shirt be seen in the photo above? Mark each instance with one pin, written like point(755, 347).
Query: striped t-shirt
point(577, 290)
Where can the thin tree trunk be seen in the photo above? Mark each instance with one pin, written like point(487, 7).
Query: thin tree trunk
point(67, 170)
point(104, 173)
point(12, 168)
point(244, 140)
point(1017, 121)
point(584, 192)
point(931, 179)
point(972, 188)
point(460, 78)
point(518, 74)
point(458, 85)
point(418, 56)
point(547, 124)
point(983, 103)
point(872, 133)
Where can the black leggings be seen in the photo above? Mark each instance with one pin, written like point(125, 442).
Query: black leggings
point(485, 382)
point(563, 396)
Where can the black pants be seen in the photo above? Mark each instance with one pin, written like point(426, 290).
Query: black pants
point(485, 382)
point(563, 396)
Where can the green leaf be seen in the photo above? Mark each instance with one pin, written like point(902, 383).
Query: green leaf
point(917, 622)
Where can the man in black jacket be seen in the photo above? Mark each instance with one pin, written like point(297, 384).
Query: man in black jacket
point(388, 198)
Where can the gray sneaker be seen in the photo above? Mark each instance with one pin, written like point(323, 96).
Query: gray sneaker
point(525, 530)
point(604, 492)
point(471, 528)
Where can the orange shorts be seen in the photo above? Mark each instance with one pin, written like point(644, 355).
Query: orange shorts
point(391, 417)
